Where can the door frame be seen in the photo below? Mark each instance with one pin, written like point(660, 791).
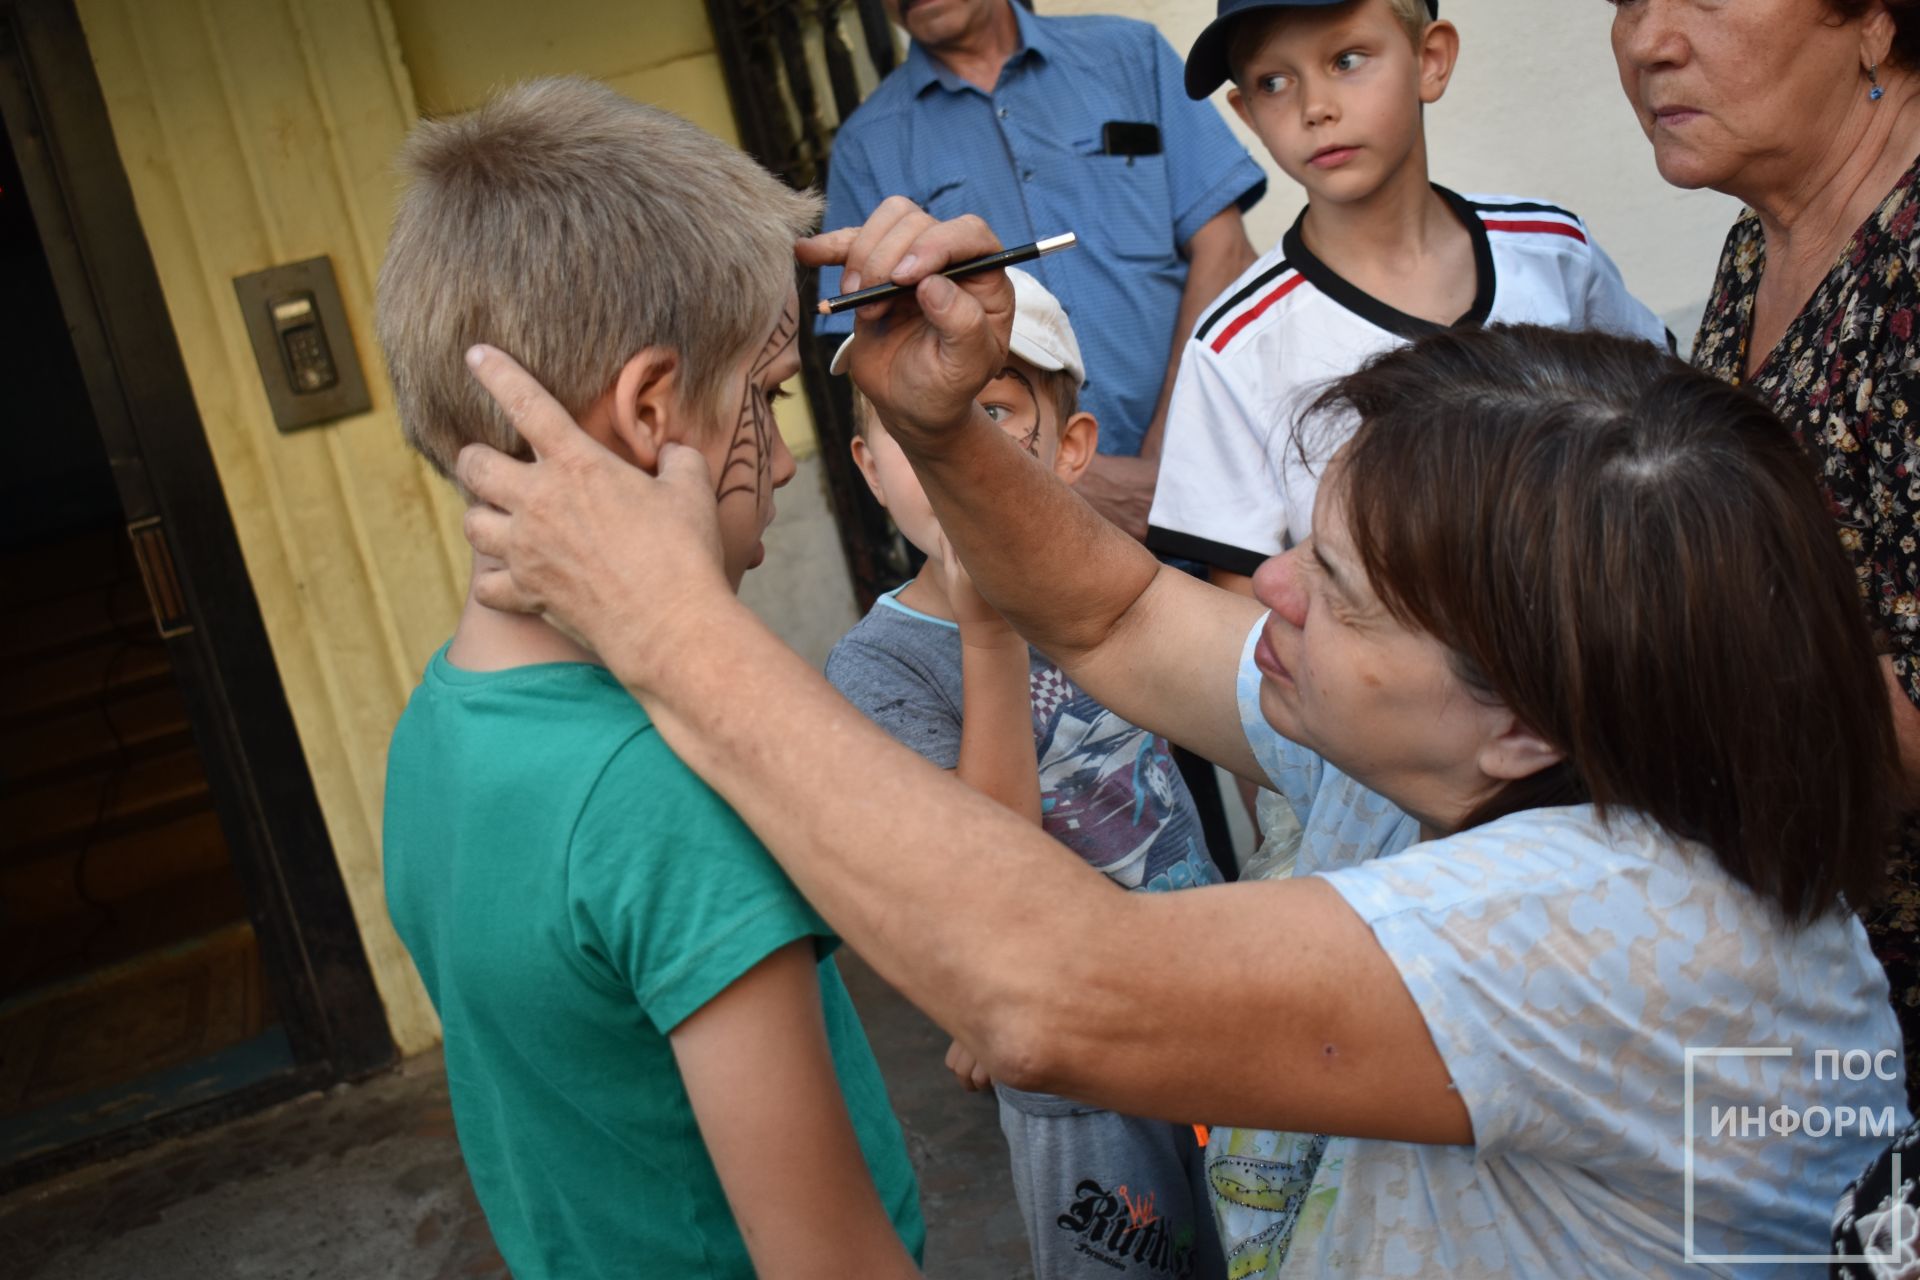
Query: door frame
point(316, 967)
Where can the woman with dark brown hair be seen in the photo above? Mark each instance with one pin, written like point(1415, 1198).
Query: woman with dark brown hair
point(1576, 835)
point(1809, 112)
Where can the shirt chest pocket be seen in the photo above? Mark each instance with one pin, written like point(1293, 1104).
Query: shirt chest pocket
point(945, 196)
point(1129, 209)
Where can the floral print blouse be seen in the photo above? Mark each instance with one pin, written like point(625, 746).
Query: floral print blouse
point(1846, 381)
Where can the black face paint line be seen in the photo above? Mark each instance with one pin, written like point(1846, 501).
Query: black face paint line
point(1031, 440)
point(750, 454)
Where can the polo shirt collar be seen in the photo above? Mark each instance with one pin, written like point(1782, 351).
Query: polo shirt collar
point(924, 70)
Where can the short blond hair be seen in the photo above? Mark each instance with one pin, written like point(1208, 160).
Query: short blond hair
point(572, 227)
point(1414, 16)
point(1251, 32)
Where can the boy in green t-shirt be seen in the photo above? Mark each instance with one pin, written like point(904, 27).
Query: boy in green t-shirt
point(655, 1068)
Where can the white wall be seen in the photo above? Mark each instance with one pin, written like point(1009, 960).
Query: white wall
point(1535, 109)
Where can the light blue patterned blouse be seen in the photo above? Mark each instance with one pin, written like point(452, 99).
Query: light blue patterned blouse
point(1574, 974)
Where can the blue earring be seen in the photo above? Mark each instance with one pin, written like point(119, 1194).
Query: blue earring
point(1876, 93)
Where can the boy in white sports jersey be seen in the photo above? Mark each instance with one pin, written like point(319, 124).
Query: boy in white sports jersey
point(1336, 90)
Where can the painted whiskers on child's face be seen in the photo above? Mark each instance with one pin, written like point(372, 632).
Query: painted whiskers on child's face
point(751, 461)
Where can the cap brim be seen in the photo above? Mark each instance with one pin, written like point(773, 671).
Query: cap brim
point(1019, 346)
point(1207, 66)
point(840, 357)
point(1036, 356)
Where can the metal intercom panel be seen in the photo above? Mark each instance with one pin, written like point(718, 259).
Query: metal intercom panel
point(301, 342)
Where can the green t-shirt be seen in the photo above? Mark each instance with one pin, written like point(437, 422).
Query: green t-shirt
point(571, 892)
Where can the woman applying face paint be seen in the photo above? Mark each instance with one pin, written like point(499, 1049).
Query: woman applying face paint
point(1523, 791)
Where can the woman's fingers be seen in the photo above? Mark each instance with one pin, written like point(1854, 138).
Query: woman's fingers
point(938, 245)
point(494, 586)
point(959, 309)
point(538, 418)
point(865, 264)
point(683, 467)
point(957, 1061)
point(967, 1069)
point(865, 249)
point(491, 476)
point(487, 527)
point(894, 257)
point(827, 249)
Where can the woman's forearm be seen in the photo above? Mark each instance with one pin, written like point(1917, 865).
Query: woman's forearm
point(1058, 571)
point(1056, 977)
point(1153, 646)
point(954, 899)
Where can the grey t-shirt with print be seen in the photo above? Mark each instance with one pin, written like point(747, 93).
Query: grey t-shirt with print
point(1109, 790)
point(1102, 1194)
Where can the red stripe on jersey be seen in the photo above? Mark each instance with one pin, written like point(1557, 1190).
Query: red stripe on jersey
point(1253, 312)
point(1550, 228)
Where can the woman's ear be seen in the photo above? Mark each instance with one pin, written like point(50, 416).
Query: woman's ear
point(1876, 38)
point(646, 409)
point(1438, 51)
point(1079, 439)
point(1516, 751)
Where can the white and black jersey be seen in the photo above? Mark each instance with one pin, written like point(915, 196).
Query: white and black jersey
point(1234, 489)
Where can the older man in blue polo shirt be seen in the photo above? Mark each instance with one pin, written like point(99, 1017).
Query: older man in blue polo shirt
point(1042, 125)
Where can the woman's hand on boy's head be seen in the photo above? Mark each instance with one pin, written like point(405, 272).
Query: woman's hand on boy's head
point(921, 357)
point(606, 551)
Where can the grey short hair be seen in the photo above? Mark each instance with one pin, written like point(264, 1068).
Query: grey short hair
point(572, 227)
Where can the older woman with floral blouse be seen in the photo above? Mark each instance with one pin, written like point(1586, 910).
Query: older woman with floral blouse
point(1809, 111)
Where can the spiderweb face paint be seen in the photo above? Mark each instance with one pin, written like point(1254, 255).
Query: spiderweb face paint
point(745, 455)
point(748, 467)
point(1011, 401)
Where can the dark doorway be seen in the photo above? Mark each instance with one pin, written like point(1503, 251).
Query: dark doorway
point(175, 943)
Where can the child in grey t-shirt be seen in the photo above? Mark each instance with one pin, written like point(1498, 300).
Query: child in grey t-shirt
point(939, 669)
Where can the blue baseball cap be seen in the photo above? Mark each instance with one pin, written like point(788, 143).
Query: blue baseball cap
point(1207, 67)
